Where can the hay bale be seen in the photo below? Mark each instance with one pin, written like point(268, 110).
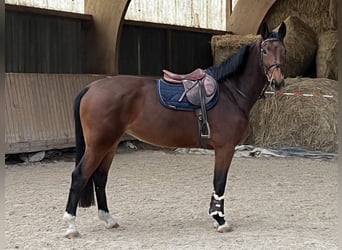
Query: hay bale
point(333, 14)
point(317, 14)
point(301, 44)
point(294, 121)
point(326, 57)
point(300, 41)
point(223, 46)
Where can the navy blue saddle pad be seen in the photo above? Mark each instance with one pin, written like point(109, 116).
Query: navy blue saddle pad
point(170, 93)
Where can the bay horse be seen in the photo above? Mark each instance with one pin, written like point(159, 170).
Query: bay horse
point(110, 107)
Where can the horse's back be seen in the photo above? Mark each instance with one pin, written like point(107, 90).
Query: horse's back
point(121, 83)
point(121, 89)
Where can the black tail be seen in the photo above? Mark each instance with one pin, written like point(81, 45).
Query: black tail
point(87, 194)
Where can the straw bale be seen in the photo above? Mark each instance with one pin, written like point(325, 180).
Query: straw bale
point(333, 14)
point(301, 44)
point(326, 58)
point(317, 14)
point(300, 41)
point(223, 46)
point(295, 121)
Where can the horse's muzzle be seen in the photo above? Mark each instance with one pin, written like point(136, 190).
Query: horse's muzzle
point(277, 85)
point(275, 76)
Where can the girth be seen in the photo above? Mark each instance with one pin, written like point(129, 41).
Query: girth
point(199, 88)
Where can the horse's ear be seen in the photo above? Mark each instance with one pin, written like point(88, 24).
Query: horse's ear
point(282, 30)
point(264, 32)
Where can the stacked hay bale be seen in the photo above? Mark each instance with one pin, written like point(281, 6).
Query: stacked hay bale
point(301, 44)
point(224, 46)
point(297, 121)
point(311, 42)
point(321, 16)
point(333, 14)
point(300, 41)
point(317, 14)
point(326, 57)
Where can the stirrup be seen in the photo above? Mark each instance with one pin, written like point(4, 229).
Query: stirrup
point(207, 129)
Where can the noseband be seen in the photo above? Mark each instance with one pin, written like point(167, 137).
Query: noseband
point(269, 68)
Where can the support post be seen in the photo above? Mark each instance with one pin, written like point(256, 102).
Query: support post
point(103, 36)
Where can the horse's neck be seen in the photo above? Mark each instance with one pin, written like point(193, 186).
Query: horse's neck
point(249, 84)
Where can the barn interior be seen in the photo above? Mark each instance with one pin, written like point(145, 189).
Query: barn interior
point(53, 51)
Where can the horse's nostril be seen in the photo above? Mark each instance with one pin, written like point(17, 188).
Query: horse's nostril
point(277, 85)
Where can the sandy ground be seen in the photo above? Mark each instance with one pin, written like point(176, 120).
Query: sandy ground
point(161, 200)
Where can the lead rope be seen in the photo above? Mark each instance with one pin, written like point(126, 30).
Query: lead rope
point(262, 94)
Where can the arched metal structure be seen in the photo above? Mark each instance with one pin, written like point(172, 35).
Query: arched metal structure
point(248, 15)
point(103, 37)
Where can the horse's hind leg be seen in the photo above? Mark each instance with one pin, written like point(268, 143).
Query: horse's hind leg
point(100, 180)
point(81, 182)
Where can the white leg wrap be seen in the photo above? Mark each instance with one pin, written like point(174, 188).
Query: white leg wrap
point(216, 205)
point(219, 213)
point(108, 219)
point(71, 231)
point(218, 198)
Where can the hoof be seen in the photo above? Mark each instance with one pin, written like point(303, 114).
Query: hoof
point(108, 219)
point(224, 228)
point(72, 234)
point(112, 225)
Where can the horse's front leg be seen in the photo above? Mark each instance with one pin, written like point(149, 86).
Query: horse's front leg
point(223, 159)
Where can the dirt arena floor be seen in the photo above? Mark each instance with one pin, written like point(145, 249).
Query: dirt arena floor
point(161, 201)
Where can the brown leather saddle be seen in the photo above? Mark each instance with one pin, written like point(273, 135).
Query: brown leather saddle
point(199, 88)
point(195, 83)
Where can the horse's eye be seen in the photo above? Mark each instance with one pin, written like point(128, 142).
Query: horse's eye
point(264, 52)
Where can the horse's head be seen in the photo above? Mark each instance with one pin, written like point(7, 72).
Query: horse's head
point(272, 52)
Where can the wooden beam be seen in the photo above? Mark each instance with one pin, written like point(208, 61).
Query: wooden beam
point(173, 27)
point(248, 15)
point(228, 11)
point(229, 7)
point(103, 37)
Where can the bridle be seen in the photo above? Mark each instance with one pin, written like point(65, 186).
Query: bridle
point(267, 69)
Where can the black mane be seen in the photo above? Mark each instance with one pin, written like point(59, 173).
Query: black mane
point(230, 66)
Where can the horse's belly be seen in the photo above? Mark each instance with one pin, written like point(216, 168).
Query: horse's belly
point(165, 135)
